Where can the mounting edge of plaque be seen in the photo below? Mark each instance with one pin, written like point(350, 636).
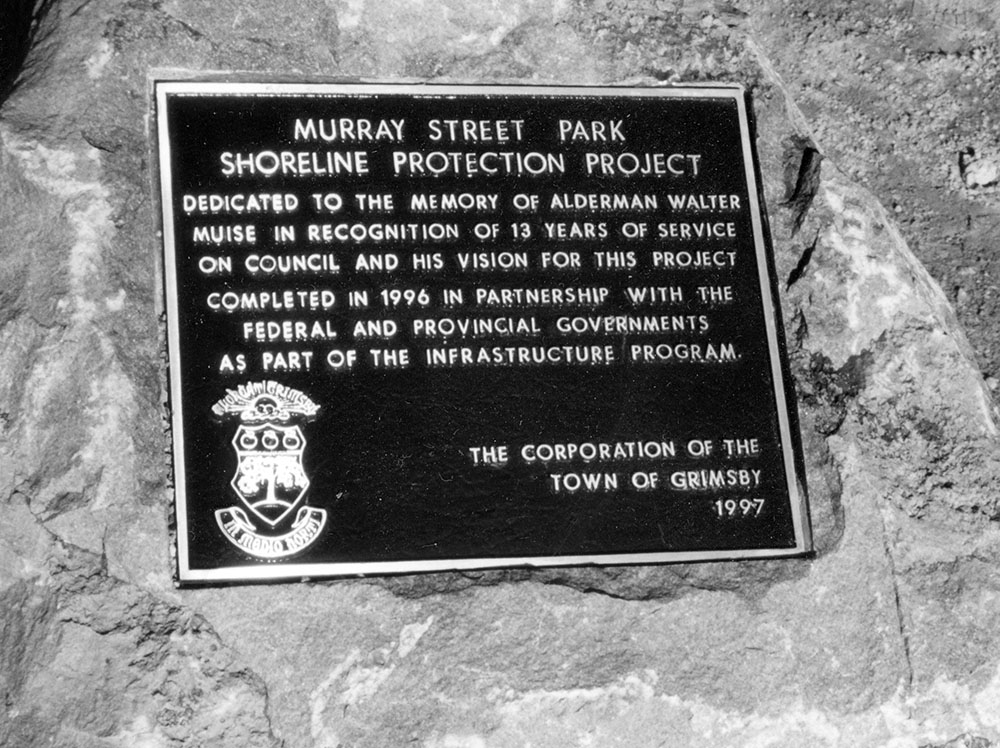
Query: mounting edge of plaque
point(165, 83)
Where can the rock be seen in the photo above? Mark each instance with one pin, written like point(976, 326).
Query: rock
point(886, 636)
point(89, 660)
point(980, 172)
point(899, 96)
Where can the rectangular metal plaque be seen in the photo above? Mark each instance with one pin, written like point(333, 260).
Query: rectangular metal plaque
point(417, 327)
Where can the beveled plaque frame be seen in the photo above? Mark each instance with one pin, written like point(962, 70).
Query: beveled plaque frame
point(165, 91)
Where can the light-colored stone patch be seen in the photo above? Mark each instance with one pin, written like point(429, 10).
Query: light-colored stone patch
point(408, 40)
point(630, 713)
point(140, 734)
point(98, 61)
point(983, 172)
point(349, 13)
point(110, 409)
point(117, 302)
point(355, 679)
point(75, 179)
point(888, 288)
point(411, 634)
point(102, 469)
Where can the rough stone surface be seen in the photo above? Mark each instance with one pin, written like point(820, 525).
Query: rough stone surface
point(887, 637)
point(904, 97)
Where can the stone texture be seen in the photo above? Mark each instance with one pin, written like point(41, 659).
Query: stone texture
point(903, 96)
point(886, 637)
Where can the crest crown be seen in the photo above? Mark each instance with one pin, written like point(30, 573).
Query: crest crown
point(267, 401)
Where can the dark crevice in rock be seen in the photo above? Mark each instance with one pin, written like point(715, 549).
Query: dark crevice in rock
point(415, 586)
point(827, 390)
point(904, 635)
point(69, 501)
point(965, 158)
point(191, 30)
point(80, 8)
point(664, 76)
point(825, 487)
point(802, 177)
point(748, 579)
point(965, 740)
point(799, 270)
point(19, 24)
point(97, 143)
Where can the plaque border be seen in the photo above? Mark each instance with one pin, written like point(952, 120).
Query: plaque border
point(178, 83)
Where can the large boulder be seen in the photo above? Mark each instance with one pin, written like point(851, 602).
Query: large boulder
point(886, 636)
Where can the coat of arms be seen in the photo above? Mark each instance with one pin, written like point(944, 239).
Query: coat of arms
point(270, 479)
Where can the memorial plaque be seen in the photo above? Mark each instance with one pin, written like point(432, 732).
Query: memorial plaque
point(418, 327)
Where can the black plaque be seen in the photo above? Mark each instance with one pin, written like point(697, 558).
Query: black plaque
point(417, 328)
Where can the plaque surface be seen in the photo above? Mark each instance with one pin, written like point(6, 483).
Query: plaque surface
point(417, 327)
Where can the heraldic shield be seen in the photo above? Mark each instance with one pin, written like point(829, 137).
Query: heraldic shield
point(270, 478)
